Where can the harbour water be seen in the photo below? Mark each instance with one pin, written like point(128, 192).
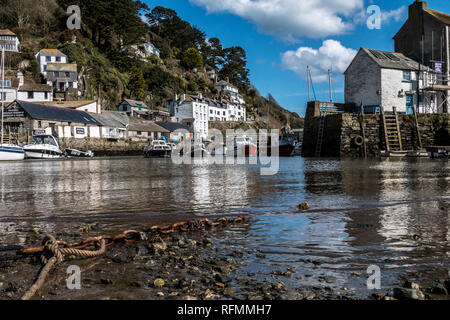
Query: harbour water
point(392, 213)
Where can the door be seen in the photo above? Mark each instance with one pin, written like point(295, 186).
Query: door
point(409, 104)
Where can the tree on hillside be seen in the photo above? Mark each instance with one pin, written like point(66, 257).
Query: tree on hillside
point(112, 24)
point(137, 83)
point(179, 33)
point(192, 59)
point(213, 53)
point(235, 68)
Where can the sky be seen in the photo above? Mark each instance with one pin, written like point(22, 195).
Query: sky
point(283, 37)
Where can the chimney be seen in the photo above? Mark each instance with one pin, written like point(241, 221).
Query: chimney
point(21, 79)
point(200, 96)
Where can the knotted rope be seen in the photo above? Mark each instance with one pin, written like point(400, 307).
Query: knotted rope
point(53, 255)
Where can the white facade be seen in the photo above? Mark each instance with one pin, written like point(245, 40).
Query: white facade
point(9, 41)
point(34, 96)
point(193, 113)
point(46, 56)
point(374, 81)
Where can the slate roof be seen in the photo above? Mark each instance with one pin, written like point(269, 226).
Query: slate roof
point(393, 60)
point(36, 87)
point(136, 104)
point(108, 121)
point(39, 111)
point(145, 126)
point(118, 116)
point(70, 104)
point(173, 126)
point(445, 18)
point(52, 52)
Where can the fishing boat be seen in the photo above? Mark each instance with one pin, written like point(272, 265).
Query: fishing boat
point(244, 146)
point(43, 147)
point(8, 152)
point(74, 153)
point(158, 149)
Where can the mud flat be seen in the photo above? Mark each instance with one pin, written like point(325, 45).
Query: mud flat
point(193, 266)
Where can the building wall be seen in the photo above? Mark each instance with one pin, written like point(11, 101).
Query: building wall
point(362, 81)
point(38, 96)
point(391, 85)
point(11, 95)
point(43, 61)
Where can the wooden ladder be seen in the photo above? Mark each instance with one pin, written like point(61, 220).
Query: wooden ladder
point(392, 134)
point(320, 135)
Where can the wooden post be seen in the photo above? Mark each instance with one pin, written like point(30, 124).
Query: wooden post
point(417, 128)
point(398, 129)
point(386, 139)
point(363, 128)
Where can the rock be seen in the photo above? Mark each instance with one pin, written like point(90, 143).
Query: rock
point(221, 278)
point(408, 294)
point(209, 294)
point(311, 296)
point(189, 298)
point(106, 281)
point(447, 285)
point(261, 256)
point(439, 289)
point(160, 294)
point(303, 206)
point(228, 292)
point(278, 286)
point(192, 243)
point(160, 246)
point(288, 274)
point(411, 285)
point(356, 274)
point(416, 237)
point(220, 285)
point(378, 295)
point(158, 283)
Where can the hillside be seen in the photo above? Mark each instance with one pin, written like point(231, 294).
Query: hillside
point(107, 47)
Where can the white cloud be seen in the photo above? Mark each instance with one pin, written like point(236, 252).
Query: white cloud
point(331, 55)
point(292, 19)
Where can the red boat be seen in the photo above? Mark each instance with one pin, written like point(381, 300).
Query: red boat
point(244, 146)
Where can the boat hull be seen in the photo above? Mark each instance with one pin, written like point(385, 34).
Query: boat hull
point(42, 154)
point(11, 153)
point(158, 154)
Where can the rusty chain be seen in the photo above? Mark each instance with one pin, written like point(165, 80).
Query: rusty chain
point(53, 251)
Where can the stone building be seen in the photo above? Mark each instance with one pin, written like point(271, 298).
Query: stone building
point(425, 37)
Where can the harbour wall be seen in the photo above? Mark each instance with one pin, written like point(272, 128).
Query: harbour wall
point(105, 147)
point(341, 129)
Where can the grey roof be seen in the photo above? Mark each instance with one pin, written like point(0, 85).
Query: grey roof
point(107, 120)
point(136, 104)
point(118, 116)
point(173, 126)
point(393, 60)
point(39, 111)
point(145, 126)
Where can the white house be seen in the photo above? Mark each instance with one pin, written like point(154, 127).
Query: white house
point(56, 69)
point(9, 40)
point(192, 111)
point(17, 88)
point(143, 51)
point(379, 78)
point(228, 89)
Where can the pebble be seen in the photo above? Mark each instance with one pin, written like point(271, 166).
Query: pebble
point(408, 294)
point(303, 206)
point(158, 283)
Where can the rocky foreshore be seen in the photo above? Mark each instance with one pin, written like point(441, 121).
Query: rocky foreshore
point(193, 266)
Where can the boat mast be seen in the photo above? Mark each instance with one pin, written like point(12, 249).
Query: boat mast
point(307, 76)
point(3, 86)
point(329, 82)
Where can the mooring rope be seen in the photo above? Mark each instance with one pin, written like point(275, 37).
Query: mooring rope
point(52, 254)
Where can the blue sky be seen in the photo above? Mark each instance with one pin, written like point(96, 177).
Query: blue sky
point(281, 37)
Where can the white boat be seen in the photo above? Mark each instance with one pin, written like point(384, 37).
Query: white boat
point(43, 147)
point(9, 152)
point(158, 149)
point(243, 147)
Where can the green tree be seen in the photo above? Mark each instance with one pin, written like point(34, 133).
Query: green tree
point(192, 59)
point(137, 85)
point(235, 68)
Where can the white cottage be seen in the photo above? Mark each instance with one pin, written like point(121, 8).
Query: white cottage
point(9, 40)
point(379, 78)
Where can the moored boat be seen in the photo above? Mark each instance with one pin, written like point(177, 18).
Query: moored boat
point(9, 152)
point(73, 153)
point(158, 149)
point(244, 147)
point(43, 147)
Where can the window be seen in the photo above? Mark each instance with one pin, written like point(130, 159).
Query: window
point(46, 95)
point(48, 59)
point(139, 133)
point(39, 124)
point(407, 76)
point(58, 59)
point(30, 95)
point(67, 74)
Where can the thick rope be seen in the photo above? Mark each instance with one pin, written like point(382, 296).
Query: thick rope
point(53, 256)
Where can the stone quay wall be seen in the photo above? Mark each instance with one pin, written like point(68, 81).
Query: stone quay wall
point(105, 147)
point(341, 129)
